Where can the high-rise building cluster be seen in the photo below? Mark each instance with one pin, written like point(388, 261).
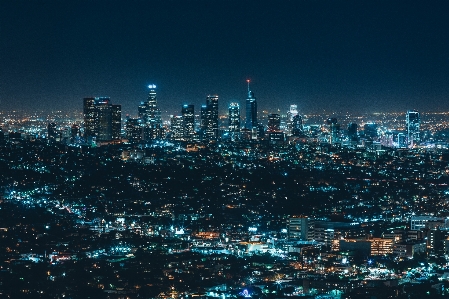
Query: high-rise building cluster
point(148, 125)
point(102, 123)
point(323, 198)
point(102, 119)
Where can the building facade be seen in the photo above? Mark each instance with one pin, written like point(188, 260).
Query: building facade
point(234, 121)
point(188, 121)
point(413, 123)
point(150, 115)
point(251, 122)
point(209, 118)
point(301, 228)
point(102, 120)
point(176, 128)
point(274, 128)
point(134, 129)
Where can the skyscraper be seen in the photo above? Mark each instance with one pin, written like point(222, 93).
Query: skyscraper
point(274, 128)
point(188, 121)
point(102, 120)
point(297, 128)
point(334, 133)
point(203, 121)
point(413, 122)
point(90, 115)
point(370, 131)
point(212, 117)
point(401, 140)
point(176, 127)
point(291, 113)
point(234, 121)
point(134, 129)
point(116, 122)
point(142, 110)
point(74, 133)
point(334, 130)
point(150, 115)
point(274, 122)
point(251, 122)
point(352, 132)
point(209, 119)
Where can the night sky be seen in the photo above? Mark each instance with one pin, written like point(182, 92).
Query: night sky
point(324, 56)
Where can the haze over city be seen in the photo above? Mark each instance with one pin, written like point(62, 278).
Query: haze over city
point(338, 56)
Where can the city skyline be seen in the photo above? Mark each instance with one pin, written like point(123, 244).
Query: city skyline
point(320, 55)
point(224, 149)
point(180, 211)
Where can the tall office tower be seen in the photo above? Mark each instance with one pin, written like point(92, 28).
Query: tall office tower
point(203, 121)
point(211, 118)
point(151, 115)
point(274, 128)
point(291, 113)
point(134, 129)
point(142, 110)
point(370, 130)
point(100, 117)
point(116, 122)
point(51, 132)
point(401, 140)
point(297, 128)
point(104, 119)
point(251, 122)
point(352, 132)
point(74, 132)
point(90, 116)
point(334, 133)
point(188, 122)
point(176, 127)
point(274, 122)
point(334, 130)
point(234, 121)
point(413, 122)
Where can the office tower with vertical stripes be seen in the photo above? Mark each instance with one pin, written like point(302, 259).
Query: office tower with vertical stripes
point(251, 110)
point(150, 115)
point(102, 120)
point(413, 123)
point(188, 122)
point(234, 121)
